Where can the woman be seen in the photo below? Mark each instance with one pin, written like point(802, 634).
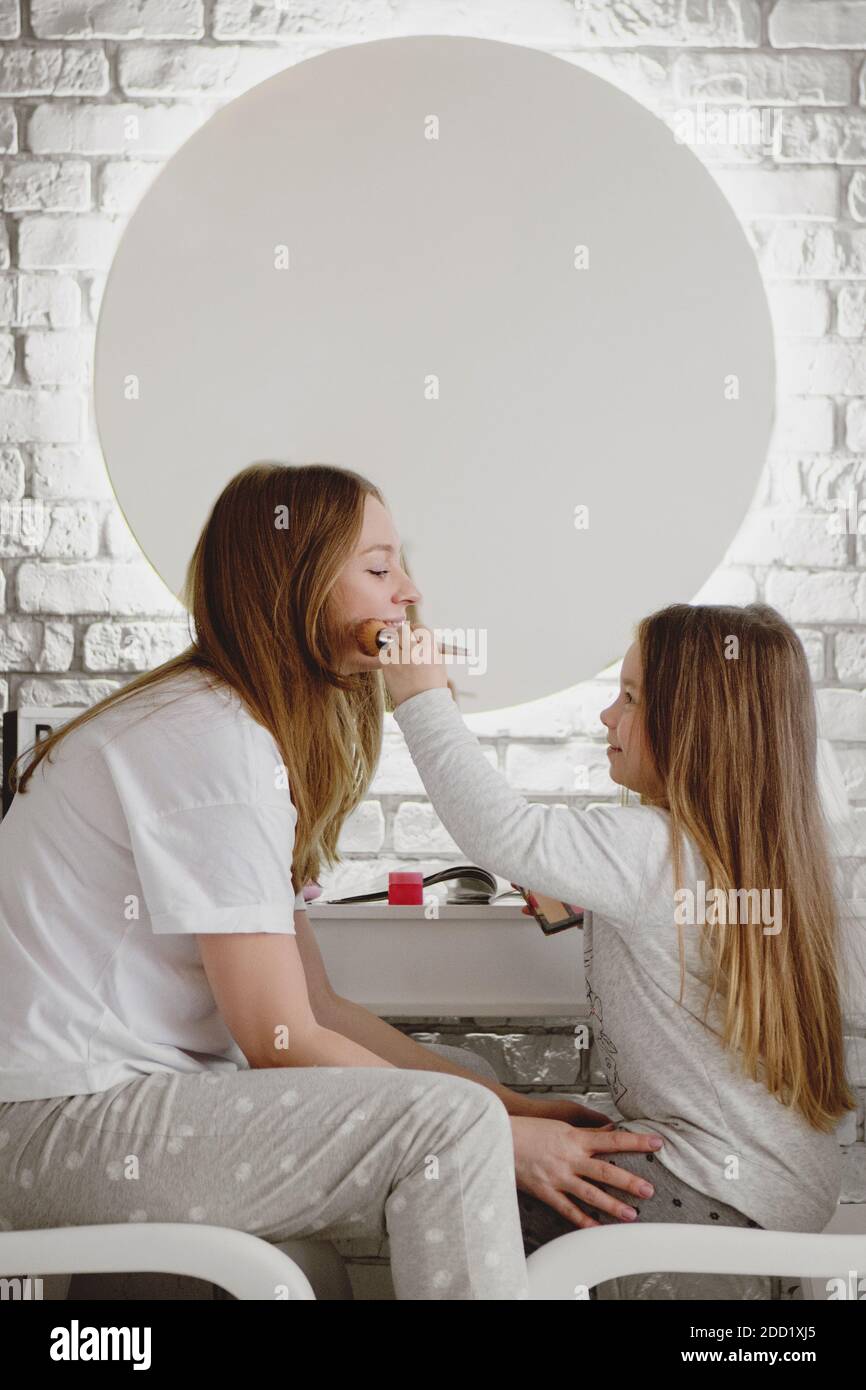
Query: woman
point(719, 1029)
point(170, 1046)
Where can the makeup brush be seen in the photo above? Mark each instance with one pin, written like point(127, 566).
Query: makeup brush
point(370, 634)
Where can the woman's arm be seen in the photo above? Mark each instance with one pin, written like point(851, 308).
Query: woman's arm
point(358, 1023)
point(344, 1016)
point(320, 991)
point(258, 982)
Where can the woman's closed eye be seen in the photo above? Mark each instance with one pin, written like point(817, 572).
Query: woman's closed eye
point(379, 572)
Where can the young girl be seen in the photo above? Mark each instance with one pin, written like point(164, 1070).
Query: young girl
point(170, 1045)
point(719, 1028)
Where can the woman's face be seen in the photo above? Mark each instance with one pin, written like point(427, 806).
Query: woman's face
point(628, 755)
point(371, 584)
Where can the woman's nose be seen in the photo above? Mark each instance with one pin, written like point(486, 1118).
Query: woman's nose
point(409, 594)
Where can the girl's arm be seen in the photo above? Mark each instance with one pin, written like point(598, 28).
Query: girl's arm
point(595, 857)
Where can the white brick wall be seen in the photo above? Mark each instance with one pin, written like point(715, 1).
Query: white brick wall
point(95, 96)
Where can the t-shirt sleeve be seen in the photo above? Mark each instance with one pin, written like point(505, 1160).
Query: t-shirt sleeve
point(211, 827)
point(594, 858)
point(221, 868)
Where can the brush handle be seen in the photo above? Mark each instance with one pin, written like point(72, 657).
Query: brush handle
point(367, 636)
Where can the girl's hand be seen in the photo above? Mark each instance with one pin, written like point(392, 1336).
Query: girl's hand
point(552, 1160)
point(409, 666)
point(527, 911)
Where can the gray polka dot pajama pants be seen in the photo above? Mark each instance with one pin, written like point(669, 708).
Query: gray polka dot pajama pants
point(422, 1158)
point(425, 1158)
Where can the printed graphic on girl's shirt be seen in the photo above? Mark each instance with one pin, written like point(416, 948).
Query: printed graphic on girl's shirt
point(606, 1046)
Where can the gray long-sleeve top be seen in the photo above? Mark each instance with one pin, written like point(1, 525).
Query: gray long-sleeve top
point(724, 1133)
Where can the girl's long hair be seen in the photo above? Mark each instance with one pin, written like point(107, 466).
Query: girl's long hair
point(729, 721)
point(257, 588)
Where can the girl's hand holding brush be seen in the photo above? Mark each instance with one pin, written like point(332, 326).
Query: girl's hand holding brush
point(408, 663)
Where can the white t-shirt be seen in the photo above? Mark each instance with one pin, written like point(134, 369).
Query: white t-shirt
point(166, 815)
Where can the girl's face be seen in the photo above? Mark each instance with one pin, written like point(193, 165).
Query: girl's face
point(371, 584)
point(630, 762)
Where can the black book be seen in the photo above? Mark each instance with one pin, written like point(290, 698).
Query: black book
point(480, 886)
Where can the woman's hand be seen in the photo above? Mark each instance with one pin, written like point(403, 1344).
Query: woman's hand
point(561, 1108)
point(552, 1159)
point(409, 665)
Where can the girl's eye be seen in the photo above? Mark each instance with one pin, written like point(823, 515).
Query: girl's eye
point(379, 572)
point(627, 696)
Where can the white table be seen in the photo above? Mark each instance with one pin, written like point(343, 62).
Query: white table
point(478, 960)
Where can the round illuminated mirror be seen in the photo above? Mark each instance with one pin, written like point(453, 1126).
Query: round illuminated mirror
point(486, 279)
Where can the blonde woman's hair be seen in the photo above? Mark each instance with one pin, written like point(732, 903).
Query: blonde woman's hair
point(729, 721)
point(258, 588)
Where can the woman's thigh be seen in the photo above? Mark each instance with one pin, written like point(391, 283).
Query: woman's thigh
point(673, 1201)
point(278, 1152)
